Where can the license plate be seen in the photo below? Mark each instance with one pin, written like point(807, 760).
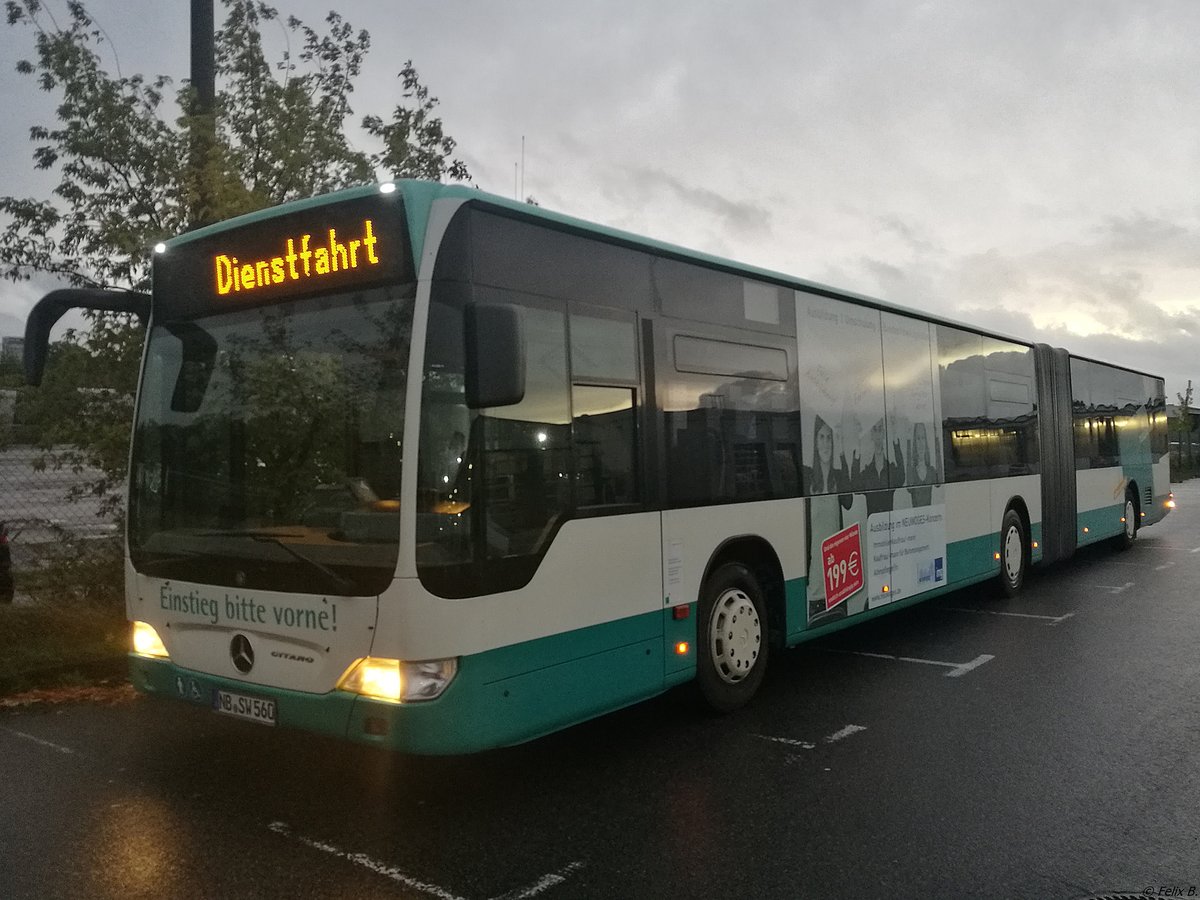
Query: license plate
point(241, 706)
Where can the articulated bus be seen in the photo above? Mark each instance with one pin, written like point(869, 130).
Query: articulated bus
point(437, 471)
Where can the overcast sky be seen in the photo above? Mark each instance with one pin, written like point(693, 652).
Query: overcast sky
point(1029, 166)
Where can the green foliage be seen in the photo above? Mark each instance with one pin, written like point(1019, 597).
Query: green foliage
point(414, 144)
point(82, 427)
point(1183, 463)
point(77, 618)
point(119, 147)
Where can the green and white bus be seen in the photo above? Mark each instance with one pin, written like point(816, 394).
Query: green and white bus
point(426, 468)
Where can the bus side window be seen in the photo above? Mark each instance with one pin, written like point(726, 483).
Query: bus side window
point(730, 419)
point(605, 376)
point(526, 446)
point(605, 442)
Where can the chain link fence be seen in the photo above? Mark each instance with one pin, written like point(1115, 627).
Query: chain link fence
point(54, 521)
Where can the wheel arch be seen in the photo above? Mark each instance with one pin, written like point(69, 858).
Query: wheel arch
point(1131, 489)
point(1017, 503)
point(759, 556)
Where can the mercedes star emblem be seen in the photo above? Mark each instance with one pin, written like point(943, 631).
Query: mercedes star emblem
point(241, 653)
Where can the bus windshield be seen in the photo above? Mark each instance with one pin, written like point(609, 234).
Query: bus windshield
point(267, 447)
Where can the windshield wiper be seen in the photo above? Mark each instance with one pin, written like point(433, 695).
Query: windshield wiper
point(340, 584)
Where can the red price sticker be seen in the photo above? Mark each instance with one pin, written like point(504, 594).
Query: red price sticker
point(842, 561)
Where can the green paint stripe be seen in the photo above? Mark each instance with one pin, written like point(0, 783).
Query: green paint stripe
point(323, 713)
point(499, 697)
point(968, 562)
point(1101, 524)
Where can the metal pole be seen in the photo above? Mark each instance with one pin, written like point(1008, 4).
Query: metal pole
point(204, 125)
point(203, 57)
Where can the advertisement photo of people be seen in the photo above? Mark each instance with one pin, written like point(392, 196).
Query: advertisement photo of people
point(872, 465)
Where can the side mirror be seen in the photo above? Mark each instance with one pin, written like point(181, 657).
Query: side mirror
point(199, 355)
point(495, 355)
point(51, 308)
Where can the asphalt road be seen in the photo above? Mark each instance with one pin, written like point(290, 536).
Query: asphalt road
point(970, 747)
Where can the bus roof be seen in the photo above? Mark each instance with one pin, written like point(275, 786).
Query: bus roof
point(419, 195)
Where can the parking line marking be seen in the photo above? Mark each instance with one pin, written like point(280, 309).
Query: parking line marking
point(956, 669)
point(544, 883)
point(1049, 620)
point(37, 740)
point(1114, 588)
point(791, 742)
point(361, 859)
point(845, 733)
point(973, 664)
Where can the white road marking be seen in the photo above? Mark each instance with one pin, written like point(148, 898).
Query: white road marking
point(1165, 565)
point(547, 881)
point(366, 862)
point(1114, 588)
point(973, 664)
point(839, 735)
point(956, 669)
point(37, 740)
point(845, 733)
point(542, 884)
point(791, 742)
point(1049, 620)
point(1194, 550)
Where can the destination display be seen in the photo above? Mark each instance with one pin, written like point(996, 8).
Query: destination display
point(335, 247)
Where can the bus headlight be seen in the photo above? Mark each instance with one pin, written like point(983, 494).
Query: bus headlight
point(147, 642)
point(399, 681)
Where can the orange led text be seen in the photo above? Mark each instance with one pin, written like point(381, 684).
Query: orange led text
point(304, 258)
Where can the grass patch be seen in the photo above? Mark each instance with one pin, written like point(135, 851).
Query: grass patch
point(58, 643)
point(74, 622)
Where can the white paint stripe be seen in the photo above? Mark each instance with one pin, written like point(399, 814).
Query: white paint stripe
point(994, 612)
point(845, 733)
point(1165, 565)
point(791, 742)
point(37, 740)
point(542, 884)
point(973, 664)
point(956, 669)
point(361, 859)
point(926, 662)
point(1114, 588)
point(1062, 618)
point(1194, 550)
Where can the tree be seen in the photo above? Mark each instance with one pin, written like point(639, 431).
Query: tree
point(1183, 428)
point(279, 134)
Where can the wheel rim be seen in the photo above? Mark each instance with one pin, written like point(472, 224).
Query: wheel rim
point(1014, 554)
point(1130, 523)
point(734, 635)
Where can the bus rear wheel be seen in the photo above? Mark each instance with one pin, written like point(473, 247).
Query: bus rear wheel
point(1013, 556)
point(732, 638)
point(1129, 518)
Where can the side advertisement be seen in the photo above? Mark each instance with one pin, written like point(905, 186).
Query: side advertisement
point(871, 420)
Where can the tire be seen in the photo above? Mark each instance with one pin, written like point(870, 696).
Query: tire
point(731, 639)
point(1129, 531)
point(1014, 554)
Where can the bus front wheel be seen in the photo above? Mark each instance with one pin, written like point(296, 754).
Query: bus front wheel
point(1129, 520)
point(732, 638)
point(1013, 556)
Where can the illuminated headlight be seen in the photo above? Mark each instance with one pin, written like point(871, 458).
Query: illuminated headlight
point(147, 642)
point(399, 681)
